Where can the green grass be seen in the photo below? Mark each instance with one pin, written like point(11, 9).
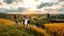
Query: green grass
point(7, 28)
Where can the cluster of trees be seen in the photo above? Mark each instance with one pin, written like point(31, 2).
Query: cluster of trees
point(58, 16)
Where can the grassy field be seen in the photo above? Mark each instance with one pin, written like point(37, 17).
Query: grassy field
point(55, 29)
point(7, 28)
point(41, 26)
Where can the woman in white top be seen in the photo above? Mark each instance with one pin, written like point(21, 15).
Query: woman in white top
point(26, 22)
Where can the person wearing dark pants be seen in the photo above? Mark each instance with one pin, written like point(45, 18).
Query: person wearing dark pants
point(23, 21)
point(16, 21)
point(28, 22)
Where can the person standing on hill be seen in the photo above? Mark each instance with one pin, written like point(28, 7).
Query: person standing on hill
point(16, 21)
point(28, 22)
point(23, 20)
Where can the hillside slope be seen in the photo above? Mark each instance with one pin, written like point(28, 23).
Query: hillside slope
point(7, 28)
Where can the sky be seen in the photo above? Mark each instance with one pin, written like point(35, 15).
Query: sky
point(33, 5)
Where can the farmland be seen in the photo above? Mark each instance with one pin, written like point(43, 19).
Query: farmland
point(56, 29)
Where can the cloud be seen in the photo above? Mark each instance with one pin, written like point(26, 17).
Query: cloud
point(6, 10)
point(16, 5)
point(42, 5)
point(11, 1)
point(61, 0)
point(62, 5)
point(57, 9)
point(47, 4)
point(8, 1)
point(61, 9)
point(19, 9)
point(0, 3)
point(51, 4)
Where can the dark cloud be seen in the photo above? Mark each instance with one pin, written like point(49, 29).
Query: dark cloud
point(46, 4)
point(61, 0)
point(11, 1)
point(61, 9)
point(3, 10)
point(42, 5)
point(51, 4)
point(21, 9)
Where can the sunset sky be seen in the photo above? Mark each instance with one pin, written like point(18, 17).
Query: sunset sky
point(33, 5)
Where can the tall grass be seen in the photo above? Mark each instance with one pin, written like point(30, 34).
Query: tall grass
point(7, 28)
point(55, 29)
point(39, 31)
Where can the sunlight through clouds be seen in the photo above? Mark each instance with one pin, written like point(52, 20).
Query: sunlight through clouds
point(31, 4)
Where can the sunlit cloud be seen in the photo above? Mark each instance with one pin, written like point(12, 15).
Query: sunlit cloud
point(33, 5)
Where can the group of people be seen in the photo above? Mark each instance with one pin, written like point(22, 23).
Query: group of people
point(25, 20)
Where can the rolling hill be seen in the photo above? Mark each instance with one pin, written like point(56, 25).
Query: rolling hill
point(7, 28)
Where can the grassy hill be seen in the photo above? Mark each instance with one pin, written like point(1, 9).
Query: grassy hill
point(7, 28)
